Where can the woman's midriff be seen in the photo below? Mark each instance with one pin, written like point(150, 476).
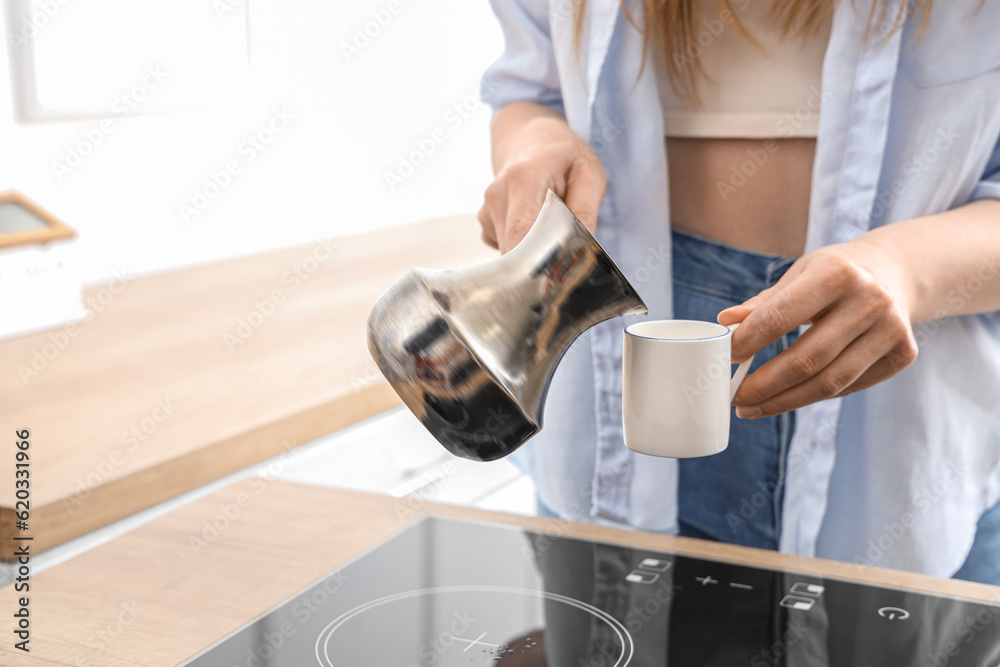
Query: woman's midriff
point(748, 193)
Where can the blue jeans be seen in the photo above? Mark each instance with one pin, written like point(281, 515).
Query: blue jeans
point(983, 562)
point(736, 496)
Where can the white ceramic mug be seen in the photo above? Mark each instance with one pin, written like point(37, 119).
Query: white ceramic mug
point(676, 389)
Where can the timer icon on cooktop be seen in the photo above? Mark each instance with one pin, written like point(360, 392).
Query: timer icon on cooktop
point(894, 613)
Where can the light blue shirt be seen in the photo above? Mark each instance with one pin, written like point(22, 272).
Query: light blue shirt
point(895, 476)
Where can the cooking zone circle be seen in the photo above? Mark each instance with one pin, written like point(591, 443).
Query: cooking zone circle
point(463, 625)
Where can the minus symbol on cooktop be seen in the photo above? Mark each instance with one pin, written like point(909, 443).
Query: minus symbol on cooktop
point(743, 586)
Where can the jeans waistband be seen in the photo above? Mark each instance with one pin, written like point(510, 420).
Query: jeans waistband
point(731, 272)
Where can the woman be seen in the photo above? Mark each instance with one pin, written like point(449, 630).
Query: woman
point(832, 165)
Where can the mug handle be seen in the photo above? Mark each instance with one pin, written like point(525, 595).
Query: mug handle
point(741, 372)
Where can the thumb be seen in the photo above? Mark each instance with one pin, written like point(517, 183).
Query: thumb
point(522, 209)
point(733, 314)
point(739, 312)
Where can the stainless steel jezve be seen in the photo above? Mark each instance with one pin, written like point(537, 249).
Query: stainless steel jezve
point(471, 351)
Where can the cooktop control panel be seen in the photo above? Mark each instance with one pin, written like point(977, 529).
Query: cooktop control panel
point(450, 593)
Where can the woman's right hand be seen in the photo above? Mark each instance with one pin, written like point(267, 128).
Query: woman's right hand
point(534, 150)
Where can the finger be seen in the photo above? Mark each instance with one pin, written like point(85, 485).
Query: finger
point(815, 349)
point(883, 369)
point(733, 314)
point(524, 201)
point(585, 188)
point(800, 301)
point(738, 313)
point(488, 230)
point(880, 371)
point(831, 382)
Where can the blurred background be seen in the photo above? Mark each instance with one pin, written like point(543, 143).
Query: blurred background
point(185, 143)
point(115, 152)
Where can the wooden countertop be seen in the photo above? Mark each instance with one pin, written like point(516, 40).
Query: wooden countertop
point(172, 588)
point(184, 377)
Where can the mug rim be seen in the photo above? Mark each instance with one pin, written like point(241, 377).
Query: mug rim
point(726, 331)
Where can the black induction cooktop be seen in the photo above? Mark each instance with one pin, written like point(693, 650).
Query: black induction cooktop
point(449, 593)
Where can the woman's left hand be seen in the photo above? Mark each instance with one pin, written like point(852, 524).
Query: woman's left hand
point(856, 297)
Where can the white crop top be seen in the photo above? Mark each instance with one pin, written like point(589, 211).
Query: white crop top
point(748, 91)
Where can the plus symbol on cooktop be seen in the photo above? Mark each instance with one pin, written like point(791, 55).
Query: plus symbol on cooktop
point(473, 642)
point(705, 581)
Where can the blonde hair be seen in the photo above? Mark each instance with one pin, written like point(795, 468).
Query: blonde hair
point(670, 26)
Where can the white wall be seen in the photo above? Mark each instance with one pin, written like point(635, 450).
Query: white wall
point(323, 175)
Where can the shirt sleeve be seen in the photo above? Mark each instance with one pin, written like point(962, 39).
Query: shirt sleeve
point(989, 186)
point(526, 71)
